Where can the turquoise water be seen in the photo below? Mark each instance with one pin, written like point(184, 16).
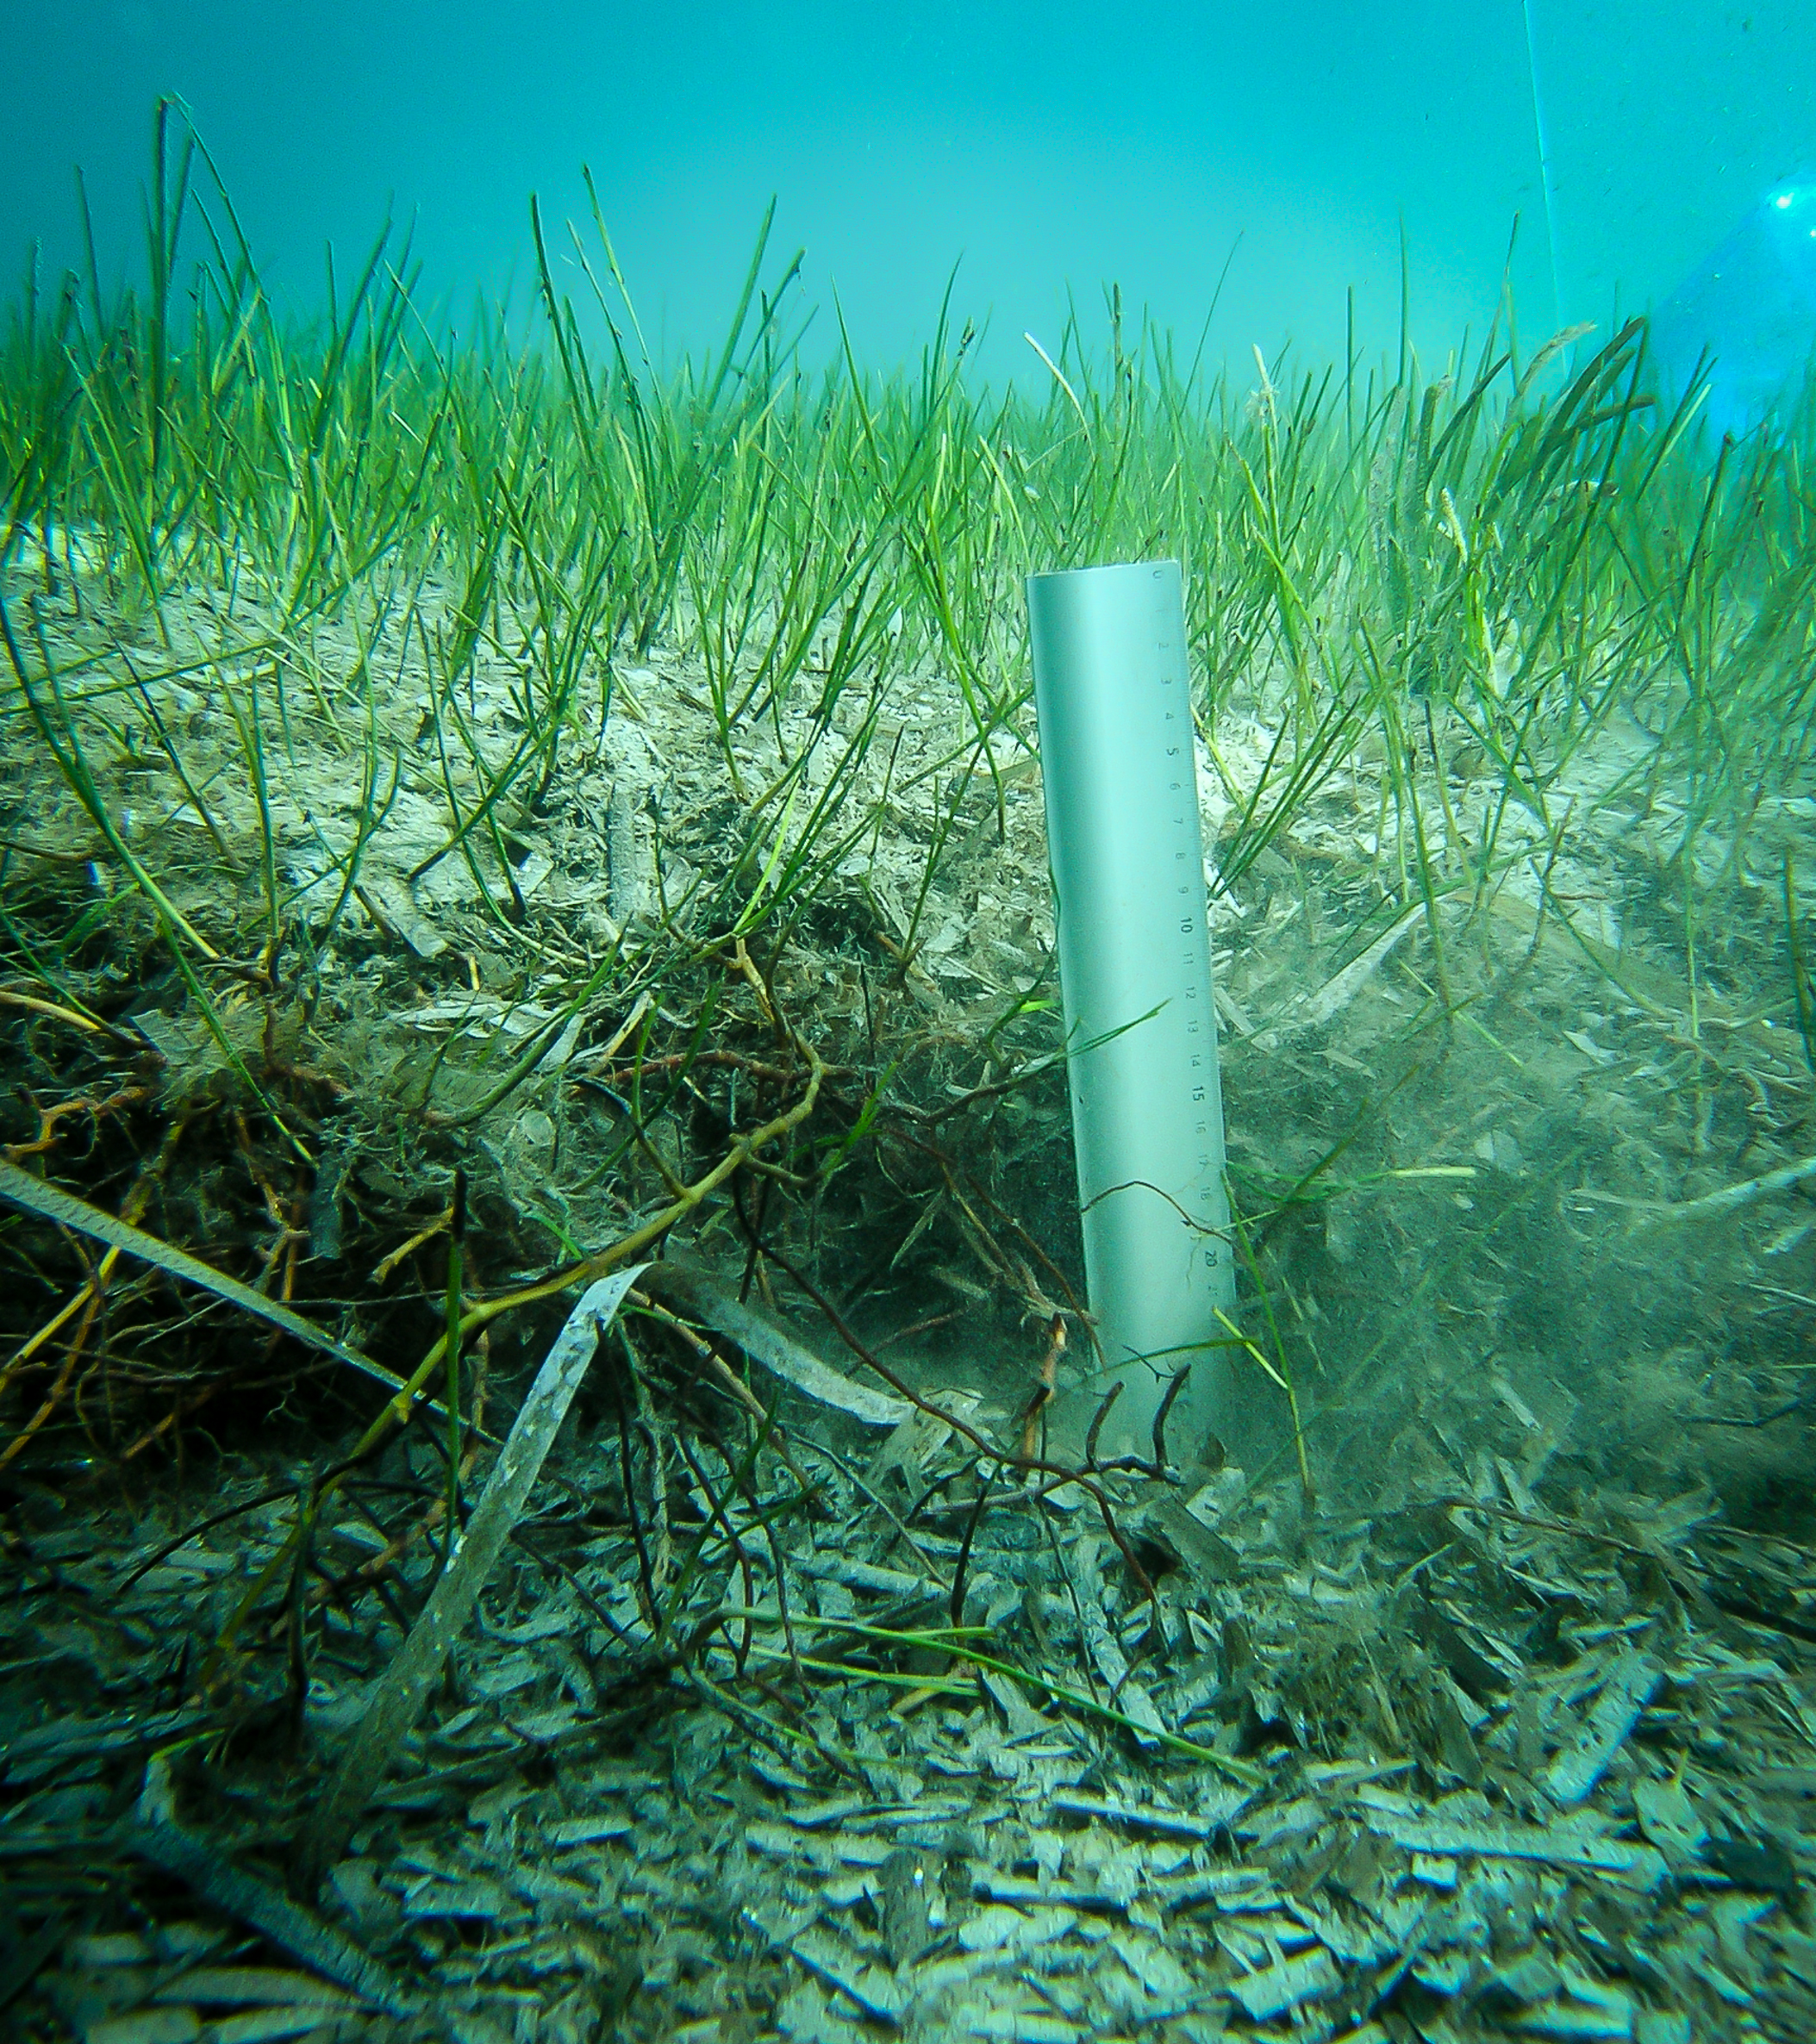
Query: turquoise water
point(1680, 154)
point(1047, 152)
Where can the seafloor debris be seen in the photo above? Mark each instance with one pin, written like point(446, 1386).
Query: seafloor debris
point(1480, 1764)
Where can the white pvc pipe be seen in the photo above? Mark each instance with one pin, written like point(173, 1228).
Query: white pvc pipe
point(1128, 857)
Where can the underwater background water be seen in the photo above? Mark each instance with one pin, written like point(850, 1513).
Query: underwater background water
point(1281, 153)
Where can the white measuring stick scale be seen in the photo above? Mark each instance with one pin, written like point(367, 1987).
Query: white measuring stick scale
point(1112, 693)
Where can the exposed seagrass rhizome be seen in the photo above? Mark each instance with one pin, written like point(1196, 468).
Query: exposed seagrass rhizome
point(889, 1150)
